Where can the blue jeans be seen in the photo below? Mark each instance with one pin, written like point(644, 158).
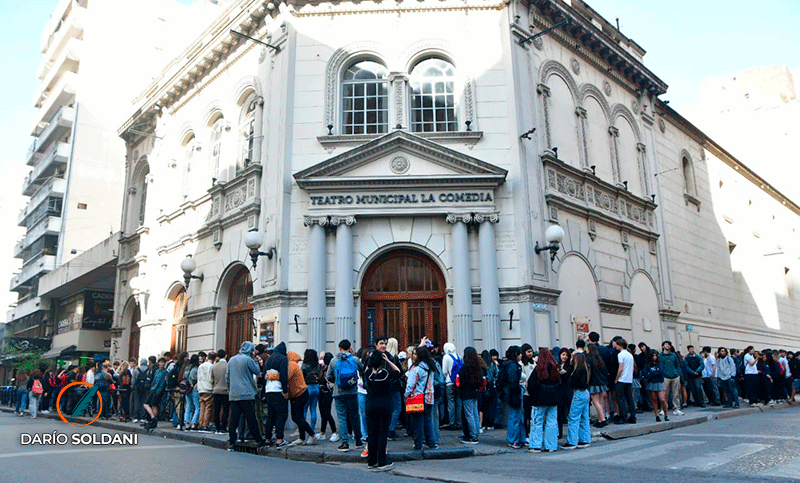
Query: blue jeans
point(453, 405)
point(544, 423)
point(311, 405)
point(362, 412)
point(471, 415)
point(347, 409)
point(397, 401)
point(729, 386)
point(192, 407)
point(579, 419)
point(22, 400)
point(423, 424)
point(515, 432)
point(33, 404)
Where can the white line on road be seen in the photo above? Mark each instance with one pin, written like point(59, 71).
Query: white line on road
point(789, 469)
point(598, 450)
point(89, 450)
point(646, 455)
point(719, 458)
point(737, 436)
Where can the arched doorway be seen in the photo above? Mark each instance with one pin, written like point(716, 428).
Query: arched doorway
point(403, 296)
point(178, 341)
point(136, 333)
point(238, 327)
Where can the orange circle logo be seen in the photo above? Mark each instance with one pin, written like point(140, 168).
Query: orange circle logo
point(82, 403)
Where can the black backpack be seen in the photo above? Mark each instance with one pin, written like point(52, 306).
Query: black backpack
point(144, 380)
point(174, 376)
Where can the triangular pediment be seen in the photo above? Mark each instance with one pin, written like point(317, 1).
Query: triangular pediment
point(401, 158)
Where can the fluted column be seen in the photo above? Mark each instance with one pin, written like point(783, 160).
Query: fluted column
point(345, 311)
point(316, 283)
point(490, 286)
point(462, 290)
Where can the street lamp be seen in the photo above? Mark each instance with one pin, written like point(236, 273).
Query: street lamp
point(188, 265)
point(553, 235)
point(253, 240)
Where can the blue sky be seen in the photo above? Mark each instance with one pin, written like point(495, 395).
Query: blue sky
point(688, 42)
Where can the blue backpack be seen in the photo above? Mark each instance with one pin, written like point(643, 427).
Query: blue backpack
point(346, 373)
point(457, 365)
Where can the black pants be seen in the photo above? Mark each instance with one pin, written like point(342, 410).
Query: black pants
point(125, 403)
point(627, 408)
point(298, 404)
point(246, 409)
point(379, 418)
point(277, 412)
point(766, 385)
point(221, 408)
point(137, 408)
point(527, 405)
point(325, 403)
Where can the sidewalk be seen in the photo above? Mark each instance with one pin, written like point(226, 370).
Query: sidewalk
point(491, 442)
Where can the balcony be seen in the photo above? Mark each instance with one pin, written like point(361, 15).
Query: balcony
point(62, 95)
point(56, 158)
point(67, 61)
point(65, 23)
point(36, 266)
point(51, 187)
point(48, 225)
point(58, 126)
point(27, 307)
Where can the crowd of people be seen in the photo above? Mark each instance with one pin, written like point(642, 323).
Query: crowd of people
point(380, 389)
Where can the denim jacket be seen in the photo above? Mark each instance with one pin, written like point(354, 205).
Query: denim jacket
point(419, 382)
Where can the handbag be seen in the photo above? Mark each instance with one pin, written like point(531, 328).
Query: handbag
point(415, 404)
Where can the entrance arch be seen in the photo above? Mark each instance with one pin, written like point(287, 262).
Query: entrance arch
point(238, 326)
point(403, 296)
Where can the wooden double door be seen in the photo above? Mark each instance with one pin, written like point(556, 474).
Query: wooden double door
point(403, 296)
point(239, 325)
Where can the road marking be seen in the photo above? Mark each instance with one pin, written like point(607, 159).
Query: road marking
point(737, 436)
point(646, 455)
point(719, 458)
point(599, 449)
point(789, 469)
point(90, 450)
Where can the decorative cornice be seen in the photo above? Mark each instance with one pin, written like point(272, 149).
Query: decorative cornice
point(280, 299)
point(328, 9)
point(200, 315)
point(469, 138)
point(668, 315)
point(618, 307)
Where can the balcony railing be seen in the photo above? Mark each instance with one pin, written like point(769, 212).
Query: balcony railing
point(58, 125)
point(52, 161)
point(35, 266)
point(53, 186)
point(67, 61)
point(48, 225)
point(62, 95)
point(64, 26)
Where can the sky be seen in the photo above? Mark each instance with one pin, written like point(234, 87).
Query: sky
point(688, 43)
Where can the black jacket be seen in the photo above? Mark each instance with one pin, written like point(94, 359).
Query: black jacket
point(543, 393)
point(577, 380)
point(280, 363)
point(508, 383)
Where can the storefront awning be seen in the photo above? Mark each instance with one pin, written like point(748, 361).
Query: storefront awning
point(59, 352)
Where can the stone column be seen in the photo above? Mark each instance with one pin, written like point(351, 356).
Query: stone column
point(614, 133)
point(258, 129)
point(462, 289)
point(490, 286)
point(345, 311)
point(316, 283)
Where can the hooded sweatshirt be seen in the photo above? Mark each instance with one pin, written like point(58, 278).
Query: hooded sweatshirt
point(297, 383)
point(331, 375)
point(277, 363)
point(204, 384)
point(449, 359)
point(143, 367)
point(241, 369)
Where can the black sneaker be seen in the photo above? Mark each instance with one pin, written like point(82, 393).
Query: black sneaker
point(359, 444)
point(231, 447)
point(282, 444)
point(632, 420)
point(393, 436)
point(583, 445)
point(385, 467)
point(465, 440)
point(433, 446)
point(601, 424)
point(344, 447)
point(568, 446)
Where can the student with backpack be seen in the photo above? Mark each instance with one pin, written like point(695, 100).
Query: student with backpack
point(124, 390)
point(343, 373)
point(175, 371)
point(451, 365)
point(142, 380)
point(188, 387)
point(35, 392)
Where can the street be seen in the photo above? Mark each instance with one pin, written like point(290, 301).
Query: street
point(756, 447)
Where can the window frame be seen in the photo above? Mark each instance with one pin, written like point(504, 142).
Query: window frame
point(380, 127)
point(451, 125)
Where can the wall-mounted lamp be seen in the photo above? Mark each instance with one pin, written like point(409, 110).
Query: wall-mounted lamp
point(653, 198)
point(253, 240)
point(594, 169)
point(188, 265)
point(555, 151)
point(553, 235)
point(625, 183)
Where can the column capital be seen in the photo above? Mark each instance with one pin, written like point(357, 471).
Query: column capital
point(613, 131)
point(343, 220)
point(454, 218)
point(641, 148)
point(487, 217)
point(580, 112)
point(543, 90)
point(315, 220)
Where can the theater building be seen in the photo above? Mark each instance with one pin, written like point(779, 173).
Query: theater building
point(396, 168)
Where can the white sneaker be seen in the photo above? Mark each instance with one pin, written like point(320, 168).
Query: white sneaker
point(481, 431)
point(772, 403)
point(660, 412)
point(677, 412)
point(45, 412)
point(134, 420)
point(313, 440)
point(298, 442)
point(334, 438)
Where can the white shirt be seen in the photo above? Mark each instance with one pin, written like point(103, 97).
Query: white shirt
point(785, 363)
point(625, 360)
point(748, 369)
point(90, 377)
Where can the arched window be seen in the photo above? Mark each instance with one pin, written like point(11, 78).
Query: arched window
point(433, 99)
point(178, 342)
point(365, 99)
point(215, 145)
point(189, 147)
point(688, 176)
point(247, 125)
point(142, 185)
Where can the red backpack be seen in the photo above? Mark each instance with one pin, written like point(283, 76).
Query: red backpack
point(37, 389)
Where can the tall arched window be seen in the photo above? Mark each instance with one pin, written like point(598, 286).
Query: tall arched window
point(216, 145)
point(189, 147)
point(247, 125)
point(365, 99)
point(178, 342)
point(142, 185)
point(433, 99)
point(688, 176)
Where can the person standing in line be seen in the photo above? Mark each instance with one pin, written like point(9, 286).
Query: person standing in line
point(726, 373)
point(710, 377)
point(343, 373)
point(489, 396)
point(35, 388)
point(276, 371)
point(578, 433)
point(242, 392)
point(312, 370)
point(565, 391)
point(451, 363)
point(397, 388)
point(527, 363)
point(153, 399)
point(641, 360)
point(298, 399)
point(511, 394)
point(192, 413)
point(623, 383)
point(544, 388)
point(125, 389)
point(326, 400)
point(420, 381)
point(598, 380)
point(205, 390)
point(221, 405)
point(672, 375)
point(380, 375)
point(653, 373)
point(694, 368)
point(471, 383)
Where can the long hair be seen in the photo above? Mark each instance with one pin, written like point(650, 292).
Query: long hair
point(594, 358)
point(512, 353)
point(487, 358)
point(474, 368)
point(310, 358)
point(653, 359)
point(392, 346)
point(524, 349)
point(569, 357)
point(327, 359)
point(546, 366)
point(579, 361)
point(423, 355)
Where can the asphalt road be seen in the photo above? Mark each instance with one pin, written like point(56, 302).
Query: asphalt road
point(763, 447)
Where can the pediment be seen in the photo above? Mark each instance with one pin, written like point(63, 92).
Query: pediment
point(401, 159)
